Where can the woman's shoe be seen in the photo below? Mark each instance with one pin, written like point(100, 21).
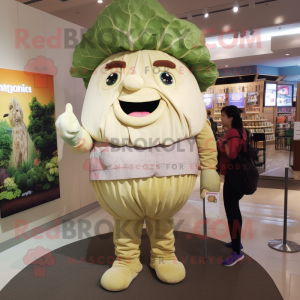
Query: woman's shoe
point(229, 245)
point(233, 259)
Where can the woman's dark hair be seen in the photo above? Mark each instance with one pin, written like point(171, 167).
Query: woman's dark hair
point(235, 113)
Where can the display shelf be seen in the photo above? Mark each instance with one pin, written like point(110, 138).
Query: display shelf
point(261, 120)
point(251, 112)
point(271, 132)
point(257, 127)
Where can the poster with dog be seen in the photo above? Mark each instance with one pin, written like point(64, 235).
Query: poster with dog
point(29, 174)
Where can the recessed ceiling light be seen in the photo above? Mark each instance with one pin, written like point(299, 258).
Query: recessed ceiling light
point(226, 66)
point(205, 12)
point(100, 1)
point(235, 7)
point(287, 54)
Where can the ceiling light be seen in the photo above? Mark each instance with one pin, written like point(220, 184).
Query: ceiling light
point(287, 54)
point(227, 66)
point(100, 1)
point(236, 7)
point(189, 16)
point(205, 12)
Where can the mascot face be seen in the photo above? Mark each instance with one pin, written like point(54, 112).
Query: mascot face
point(143, 98)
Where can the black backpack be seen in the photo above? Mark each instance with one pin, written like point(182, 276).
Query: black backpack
point(242, 173)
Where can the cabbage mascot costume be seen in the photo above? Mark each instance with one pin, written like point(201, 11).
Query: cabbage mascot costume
point(144, 124)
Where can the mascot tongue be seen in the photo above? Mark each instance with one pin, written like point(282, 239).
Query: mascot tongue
point(139, 114)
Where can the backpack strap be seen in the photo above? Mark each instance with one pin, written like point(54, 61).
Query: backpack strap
point(238, 137)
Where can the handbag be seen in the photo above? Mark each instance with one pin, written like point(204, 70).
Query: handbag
point(242, 174)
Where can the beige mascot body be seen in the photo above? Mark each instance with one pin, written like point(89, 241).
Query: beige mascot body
point(144, 123)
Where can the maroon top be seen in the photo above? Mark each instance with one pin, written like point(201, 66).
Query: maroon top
point(234, 145)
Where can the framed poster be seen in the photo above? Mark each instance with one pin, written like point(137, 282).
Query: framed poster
point(285, 95)
point(29, 163)
point(208, 100)
point(253, 99)
point(220, 98)
point(270, 94)
point(237, 99)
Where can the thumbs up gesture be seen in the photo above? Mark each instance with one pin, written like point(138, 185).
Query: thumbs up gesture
point(68, 127)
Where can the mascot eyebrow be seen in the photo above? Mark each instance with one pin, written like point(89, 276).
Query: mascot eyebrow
point(164, 63)
point(157, 63)
point(116, 64)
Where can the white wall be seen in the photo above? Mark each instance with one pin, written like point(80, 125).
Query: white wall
point(75, 190)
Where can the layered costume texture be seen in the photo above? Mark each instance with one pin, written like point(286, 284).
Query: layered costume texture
point(144, 124)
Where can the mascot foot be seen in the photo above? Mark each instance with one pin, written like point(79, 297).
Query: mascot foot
point(117, 278)
point(169, 271)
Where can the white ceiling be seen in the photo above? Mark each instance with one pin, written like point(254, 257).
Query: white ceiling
point(262, 15)
point(278, 12)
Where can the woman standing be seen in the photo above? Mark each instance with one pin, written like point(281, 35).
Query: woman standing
point(229, 147)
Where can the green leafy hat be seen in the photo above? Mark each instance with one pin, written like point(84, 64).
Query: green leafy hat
point(132, 25)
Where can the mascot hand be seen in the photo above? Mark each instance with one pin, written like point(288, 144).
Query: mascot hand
point(68, 127)
point(210, 182)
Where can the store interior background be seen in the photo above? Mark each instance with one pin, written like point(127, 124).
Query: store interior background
point(277, 21)
point(45, 18)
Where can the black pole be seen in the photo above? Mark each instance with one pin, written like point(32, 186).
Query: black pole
point(285, 206)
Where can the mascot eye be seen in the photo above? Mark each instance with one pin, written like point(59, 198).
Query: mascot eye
point(45, 68)
point(36, 68)
point(112, 79)
point(166, 78)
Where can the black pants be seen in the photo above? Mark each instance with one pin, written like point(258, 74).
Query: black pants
point(234, 217)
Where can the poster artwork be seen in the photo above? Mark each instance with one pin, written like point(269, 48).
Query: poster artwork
point(253, 99)
point(28, 158)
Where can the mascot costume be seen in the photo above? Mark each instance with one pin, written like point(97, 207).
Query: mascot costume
point(144, 124)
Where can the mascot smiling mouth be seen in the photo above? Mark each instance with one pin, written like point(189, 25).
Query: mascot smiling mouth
point(139, 109)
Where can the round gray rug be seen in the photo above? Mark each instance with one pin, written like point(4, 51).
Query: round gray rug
point(74, 272)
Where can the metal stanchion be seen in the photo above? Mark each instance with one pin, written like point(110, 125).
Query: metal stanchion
point(284, 245)
point(205, 230)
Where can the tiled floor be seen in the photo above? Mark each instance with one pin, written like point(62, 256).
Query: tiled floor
point(262, 212)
